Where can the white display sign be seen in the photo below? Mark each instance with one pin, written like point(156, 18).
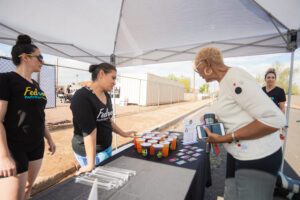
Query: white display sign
point(190, 132)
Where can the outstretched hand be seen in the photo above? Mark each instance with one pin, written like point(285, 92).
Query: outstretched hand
point(84, 170)
point(130, 133)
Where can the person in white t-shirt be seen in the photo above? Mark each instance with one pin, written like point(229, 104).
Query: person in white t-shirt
point(251, 122)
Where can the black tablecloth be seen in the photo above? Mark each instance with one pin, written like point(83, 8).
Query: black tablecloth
point(188, 180)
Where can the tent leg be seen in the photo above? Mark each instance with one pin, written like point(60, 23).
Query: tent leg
point(288, 107)
point(114, 117)
point(113, 62)
point(194, 86)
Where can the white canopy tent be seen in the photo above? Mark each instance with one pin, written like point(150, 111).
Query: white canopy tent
point(136, 32)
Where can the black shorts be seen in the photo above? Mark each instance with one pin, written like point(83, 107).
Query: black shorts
point(24, 153)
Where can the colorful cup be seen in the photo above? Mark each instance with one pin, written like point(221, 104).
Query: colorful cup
point(151, 147)
point(165, 149)
point(156, 138)
point(146, 149)
point(158, 150)
point(147, 138)
point(134, 141)
point(174, 143)
point(139, 141)
point(170, 140)
point(161, 136)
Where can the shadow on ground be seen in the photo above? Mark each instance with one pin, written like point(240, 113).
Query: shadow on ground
point(218, 171)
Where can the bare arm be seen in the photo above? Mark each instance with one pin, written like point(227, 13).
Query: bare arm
point(119, 131)
point(282, 106)
point(254, 130)
point(52, 146)
point(3, 144)
point(7, 164)
point(90, 150)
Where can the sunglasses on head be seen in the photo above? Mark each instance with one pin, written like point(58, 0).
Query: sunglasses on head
point(39, 57)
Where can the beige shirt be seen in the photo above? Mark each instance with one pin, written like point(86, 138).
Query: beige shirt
point(240, 102)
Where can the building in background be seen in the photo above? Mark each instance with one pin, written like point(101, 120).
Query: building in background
point(149, 89)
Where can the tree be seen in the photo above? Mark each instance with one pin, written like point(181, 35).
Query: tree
point(185, 81)
point(204, 89)
point(260, 79)
point(173, 77)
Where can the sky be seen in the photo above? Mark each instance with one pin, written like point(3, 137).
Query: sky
point(255, 65)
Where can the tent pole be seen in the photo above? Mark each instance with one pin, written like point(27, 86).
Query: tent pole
point(288, 107)
point(140, 91)
point(113, 62)
point(56, 81)
point(158, 96)
point(194, 85)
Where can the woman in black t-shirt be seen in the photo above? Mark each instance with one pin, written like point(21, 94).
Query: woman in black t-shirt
point(22, 122)
point(276, 93)
point(92, 113)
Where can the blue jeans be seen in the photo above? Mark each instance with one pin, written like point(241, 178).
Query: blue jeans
point(100, 157)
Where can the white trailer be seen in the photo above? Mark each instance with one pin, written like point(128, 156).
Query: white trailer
point(149, 89)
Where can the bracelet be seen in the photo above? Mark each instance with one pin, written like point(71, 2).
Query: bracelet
point(233, 137)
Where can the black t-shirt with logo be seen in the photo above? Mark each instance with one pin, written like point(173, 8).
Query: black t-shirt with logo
point(277, 95)
point(24, 121)
point(90, 113)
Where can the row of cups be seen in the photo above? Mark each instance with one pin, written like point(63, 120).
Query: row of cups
point(155, 144)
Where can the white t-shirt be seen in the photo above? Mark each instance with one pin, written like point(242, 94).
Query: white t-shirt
point(241, 101)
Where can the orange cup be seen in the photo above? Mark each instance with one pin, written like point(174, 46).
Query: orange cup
point(151, 147)
point(174, 142)
point(161, 136)
point(165, 136)
point(138, 144)
point(170, 140)
point(134, 141)
point(165, 149)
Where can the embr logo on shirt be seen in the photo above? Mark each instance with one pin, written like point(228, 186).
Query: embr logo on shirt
point(33, 94)
point(102, 116)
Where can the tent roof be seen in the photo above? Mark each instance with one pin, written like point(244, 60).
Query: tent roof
point(142, 32)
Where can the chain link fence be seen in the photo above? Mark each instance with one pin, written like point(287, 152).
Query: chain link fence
point(46, 79)
point(131, 94)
